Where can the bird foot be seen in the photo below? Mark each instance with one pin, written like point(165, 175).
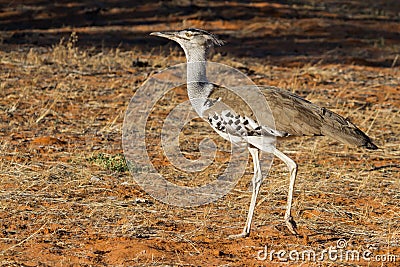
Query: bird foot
point(237, 236)
point(291, 225)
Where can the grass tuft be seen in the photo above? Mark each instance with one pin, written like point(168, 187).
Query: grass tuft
point(114, 163)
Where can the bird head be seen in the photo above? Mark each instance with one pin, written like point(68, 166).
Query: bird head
point(191, 39)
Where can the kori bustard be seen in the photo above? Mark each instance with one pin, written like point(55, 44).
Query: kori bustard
point(293, 115)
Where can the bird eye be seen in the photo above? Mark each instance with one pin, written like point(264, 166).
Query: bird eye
point(188, 34)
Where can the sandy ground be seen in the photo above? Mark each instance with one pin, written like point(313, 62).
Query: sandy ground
point(68, 71)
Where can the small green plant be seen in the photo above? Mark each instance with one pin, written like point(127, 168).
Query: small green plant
point(110, 162)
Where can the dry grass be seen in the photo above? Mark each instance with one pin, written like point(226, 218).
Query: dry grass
point(66, 198)
point(62, 182)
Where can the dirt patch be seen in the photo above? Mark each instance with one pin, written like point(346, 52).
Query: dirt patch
point(68, 72)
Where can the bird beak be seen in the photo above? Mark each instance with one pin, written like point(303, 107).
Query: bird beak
point(168, 35)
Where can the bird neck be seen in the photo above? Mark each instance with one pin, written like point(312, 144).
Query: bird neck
point(196, 65)
point(194, 54)
point(198, 86)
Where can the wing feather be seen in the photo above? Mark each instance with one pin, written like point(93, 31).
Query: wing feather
point(294, 115)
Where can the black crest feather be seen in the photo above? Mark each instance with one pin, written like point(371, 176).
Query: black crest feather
point(213, 37)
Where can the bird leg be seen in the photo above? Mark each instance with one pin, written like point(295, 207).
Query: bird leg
point(256, 181)
point(290, 223)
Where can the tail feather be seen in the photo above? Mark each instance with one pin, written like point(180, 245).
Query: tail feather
point(341, 129)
